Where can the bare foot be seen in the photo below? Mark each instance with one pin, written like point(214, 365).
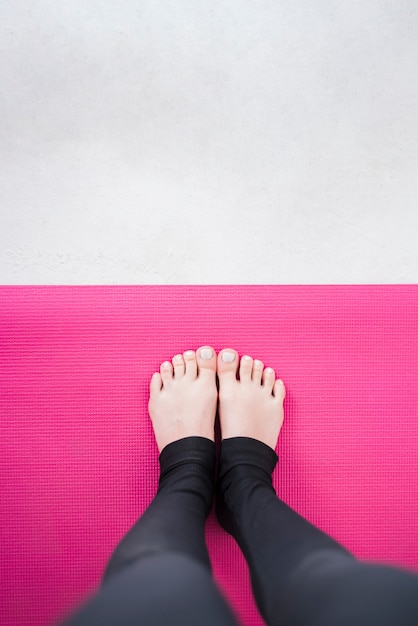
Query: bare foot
point(253, 405)
point(183, 402)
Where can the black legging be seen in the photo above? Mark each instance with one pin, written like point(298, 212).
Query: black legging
point(160, 572)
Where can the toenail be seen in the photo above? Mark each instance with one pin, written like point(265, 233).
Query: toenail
point(189, 354)
point(247, 358)
point(269, 370)
point(178, 358)
point(206, 353)
point(228, 357)
point(166, 364)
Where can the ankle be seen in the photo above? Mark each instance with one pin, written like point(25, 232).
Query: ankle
point(245, 455)
point(188, 468)
point(245, 464)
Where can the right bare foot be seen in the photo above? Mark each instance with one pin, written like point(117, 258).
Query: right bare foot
point(253, 405)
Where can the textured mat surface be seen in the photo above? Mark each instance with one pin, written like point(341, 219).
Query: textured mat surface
point(78, 458)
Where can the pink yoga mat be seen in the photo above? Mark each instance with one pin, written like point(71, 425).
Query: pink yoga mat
point(79, 462)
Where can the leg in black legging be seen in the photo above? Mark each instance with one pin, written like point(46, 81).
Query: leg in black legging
point(301, 576)
point(160, 572)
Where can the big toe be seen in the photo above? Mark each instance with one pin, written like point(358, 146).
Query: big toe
point(206, 359)
point(227, 365)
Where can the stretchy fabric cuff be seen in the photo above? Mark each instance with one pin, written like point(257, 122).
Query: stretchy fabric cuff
point(244, 463)
point(246, 451)
point(199, 450)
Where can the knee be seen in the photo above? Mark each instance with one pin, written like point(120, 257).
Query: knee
point(354, 592)
point(166, 589)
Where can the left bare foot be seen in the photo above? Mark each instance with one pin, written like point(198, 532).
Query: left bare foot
point(183, 402)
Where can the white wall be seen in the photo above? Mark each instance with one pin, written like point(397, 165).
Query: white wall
point(239, 141)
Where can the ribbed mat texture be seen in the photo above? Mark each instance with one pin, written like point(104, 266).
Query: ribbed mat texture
point(78, 458)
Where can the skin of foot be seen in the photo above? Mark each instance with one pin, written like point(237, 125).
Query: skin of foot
point(184, 396)
point(253, 405)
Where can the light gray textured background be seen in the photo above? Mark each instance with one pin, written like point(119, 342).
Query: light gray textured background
point(208, 141)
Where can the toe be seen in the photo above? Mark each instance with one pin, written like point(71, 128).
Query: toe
point(246, 368)
point(166, 370)
point(178, 363)
point(269, 377)
point(257, 371)
point(155, 383)
point(206, 360)
point(227, 363)
point(191, 363)
point(279, 390)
